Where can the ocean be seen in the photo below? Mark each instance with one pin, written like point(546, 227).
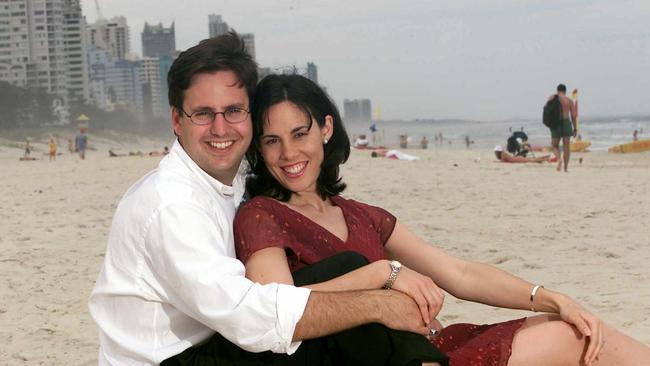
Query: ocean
point(602, 132)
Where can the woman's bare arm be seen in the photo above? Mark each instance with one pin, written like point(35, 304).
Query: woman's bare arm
point(270, 265)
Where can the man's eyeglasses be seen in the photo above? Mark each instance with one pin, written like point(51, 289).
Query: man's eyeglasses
point(205, 117)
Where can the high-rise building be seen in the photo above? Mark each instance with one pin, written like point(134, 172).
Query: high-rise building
point(42, 46)
point(98, 62)
point(357, 110)
point(216, 26)
point(165, 63)
point(312, 72)
point(32, 52)
point(158, 48)
point(150, 77)
point(76, 65)
point(111, 35)
point(115, 83)
point(249, 43)
point(123, 85)
point(158, 41)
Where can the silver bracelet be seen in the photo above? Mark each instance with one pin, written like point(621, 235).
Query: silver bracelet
point(532, 296)
point(395, 267)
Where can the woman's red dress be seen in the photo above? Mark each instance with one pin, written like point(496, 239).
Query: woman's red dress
point(264, 222)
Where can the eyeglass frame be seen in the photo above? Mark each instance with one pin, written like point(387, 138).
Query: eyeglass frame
point(214, 117)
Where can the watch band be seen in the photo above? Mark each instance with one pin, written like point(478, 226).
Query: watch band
point(395, 267)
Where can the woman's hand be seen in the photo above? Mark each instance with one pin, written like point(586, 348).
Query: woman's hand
point(427, 295)
point(587, 323)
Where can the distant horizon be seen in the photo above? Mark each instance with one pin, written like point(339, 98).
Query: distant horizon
point(636, 117)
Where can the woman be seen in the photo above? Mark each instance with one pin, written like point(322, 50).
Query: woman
point(297, 217)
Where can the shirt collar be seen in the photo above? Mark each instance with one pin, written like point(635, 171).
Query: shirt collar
point(236, 190)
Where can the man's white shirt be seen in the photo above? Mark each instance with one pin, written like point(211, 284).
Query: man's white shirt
point(170, 279)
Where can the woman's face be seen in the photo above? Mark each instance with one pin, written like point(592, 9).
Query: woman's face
point(292, 146)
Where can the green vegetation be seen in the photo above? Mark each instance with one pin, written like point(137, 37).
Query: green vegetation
point(24, 108)
point(24, 112)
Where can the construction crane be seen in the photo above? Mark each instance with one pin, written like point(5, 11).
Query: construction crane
point(99, 11)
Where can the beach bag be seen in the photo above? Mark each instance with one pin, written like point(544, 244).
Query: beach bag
point(552, 115)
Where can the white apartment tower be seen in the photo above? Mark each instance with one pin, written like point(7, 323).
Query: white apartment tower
point(32, 49)
point(111, 35)
point(42, 46)
point(74, 31)
point(150, 74)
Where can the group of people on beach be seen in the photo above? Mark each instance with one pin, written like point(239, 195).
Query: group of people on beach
point(298, 274)
point(80, 146)
point(563, 132)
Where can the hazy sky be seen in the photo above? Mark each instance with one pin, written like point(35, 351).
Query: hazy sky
point(484, 60)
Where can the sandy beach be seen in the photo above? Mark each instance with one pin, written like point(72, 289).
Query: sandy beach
point(584, 233)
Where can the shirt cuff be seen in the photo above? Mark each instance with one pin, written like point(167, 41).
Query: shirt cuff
point(291, 302)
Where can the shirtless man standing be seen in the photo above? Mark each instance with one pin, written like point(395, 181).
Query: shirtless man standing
point(564, 130)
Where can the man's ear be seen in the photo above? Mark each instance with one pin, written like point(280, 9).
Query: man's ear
point(328, 127)
point(176, 121)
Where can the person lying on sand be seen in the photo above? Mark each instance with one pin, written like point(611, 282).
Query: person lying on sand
point(164, 152)
point(113, 154)
point(509, 158)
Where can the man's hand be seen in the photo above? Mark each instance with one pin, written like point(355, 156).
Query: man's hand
point(575, 131)
point(399, 311)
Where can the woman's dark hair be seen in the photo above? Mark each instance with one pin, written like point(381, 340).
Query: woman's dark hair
point(314, 102)
point(222, 53)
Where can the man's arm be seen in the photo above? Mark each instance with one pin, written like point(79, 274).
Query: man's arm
point(574, 116)
point(331, 312)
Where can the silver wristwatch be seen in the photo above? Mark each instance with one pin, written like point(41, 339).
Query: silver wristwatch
point(395, 267)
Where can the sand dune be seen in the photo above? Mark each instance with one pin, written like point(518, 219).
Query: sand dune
point(584, 233)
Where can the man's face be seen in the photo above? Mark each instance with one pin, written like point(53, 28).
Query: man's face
point(217, 147)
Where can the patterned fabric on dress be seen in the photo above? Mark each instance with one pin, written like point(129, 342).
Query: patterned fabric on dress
point(264, 222)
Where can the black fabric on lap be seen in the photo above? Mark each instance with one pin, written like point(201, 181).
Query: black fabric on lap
point(370, 344)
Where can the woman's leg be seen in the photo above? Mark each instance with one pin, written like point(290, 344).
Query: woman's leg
point(547, 340)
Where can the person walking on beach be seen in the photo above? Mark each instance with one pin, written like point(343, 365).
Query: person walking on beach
point(80, 143)
point(171, 291)
point(468, 141)
point(51, 146)
point(564, 130)
point(28, 149)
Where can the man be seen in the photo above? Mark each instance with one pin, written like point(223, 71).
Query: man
point(565, 129)
point(81, 142)
point(170, 288)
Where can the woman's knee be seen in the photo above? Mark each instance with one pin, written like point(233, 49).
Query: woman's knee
point(547, 340)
